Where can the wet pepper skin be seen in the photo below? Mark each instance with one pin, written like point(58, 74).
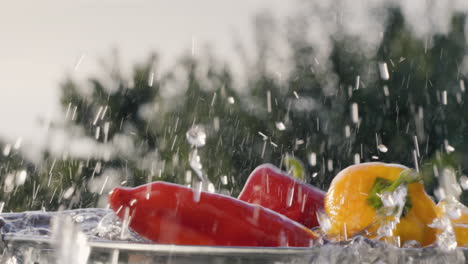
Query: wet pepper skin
point(171, 214)
point(272, 188)
point(349, 212)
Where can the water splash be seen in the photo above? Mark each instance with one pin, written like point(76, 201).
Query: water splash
point(196, 136)
point(390, 213)
point(70, 242)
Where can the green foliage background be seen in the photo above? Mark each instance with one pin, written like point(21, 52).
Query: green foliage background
point(154, 110)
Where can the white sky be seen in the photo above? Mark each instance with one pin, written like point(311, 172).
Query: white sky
point(40, 41)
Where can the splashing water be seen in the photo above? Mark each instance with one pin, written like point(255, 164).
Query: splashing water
point(96, 233)
point(70, 242)
point(393, 204)
point(196, 136)
point(446, 239)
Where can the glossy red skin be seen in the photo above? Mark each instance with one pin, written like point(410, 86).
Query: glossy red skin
point(269, 187)
point(172, 216)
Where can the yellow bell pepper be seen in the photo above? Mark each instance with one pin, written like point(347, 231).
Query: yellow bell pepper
point(352, 203)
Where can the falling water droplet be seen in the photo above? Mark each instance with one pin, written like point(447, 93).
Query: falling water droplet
point(386, 91)
point(21, 177)
point(68, 193)
point(269, 101)
point(464, 182)
point(354, 113)
point(197, 191)
point(224, 180)
point(330, 165)
point(313, 159)
point(357, 158)
point(6, 150)
point(358, 81)
point(280, 126)
point(444, 97)
point(347, 131)
point(383, 69)
point(211, 188)
point(188, 176)
point(382, 148)
point(448, 147)
point(18, 143)
point(196, 136)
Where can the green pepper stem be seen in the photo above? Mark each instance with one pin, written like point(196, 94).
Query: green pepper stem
point(406, 177)
point(382, 185)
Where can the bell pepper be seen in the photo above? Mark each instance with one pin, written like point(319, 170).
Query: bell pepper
point(353, 203)
point(173, 214)
point(274, 189)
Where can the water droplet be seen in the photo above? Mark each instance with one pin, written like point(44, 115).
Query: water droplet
point(18, 143)
point(151, 79)
point(347, 131)
point(383, 69)
point(358, 81)
point(313, 159)
point(330, 165)
point(449, 148)
point(386, 91)
point(448, 182)
point(354, 113)
point(68, 193)
point(7, 150)
point(269, 101)
point(231, 100)
point(280, 126)
point(197, 191)
point(289, 198)
point(464, 182)
point(98, 114)
point(296, 94)
point(265, 137)
point(21, 177)
point(382, 148)
point(224, 180)
point(444, 97)
point(188, 176)
point(196, 136)
point(211, 188)
point(454, 213)
point(9, 183)
point(195, 163)
point(357, 158)
point(323, 220)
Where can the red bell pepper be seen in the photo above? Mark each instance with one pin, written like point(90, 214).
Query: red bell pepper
point(272, 188)
point(173, 214)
